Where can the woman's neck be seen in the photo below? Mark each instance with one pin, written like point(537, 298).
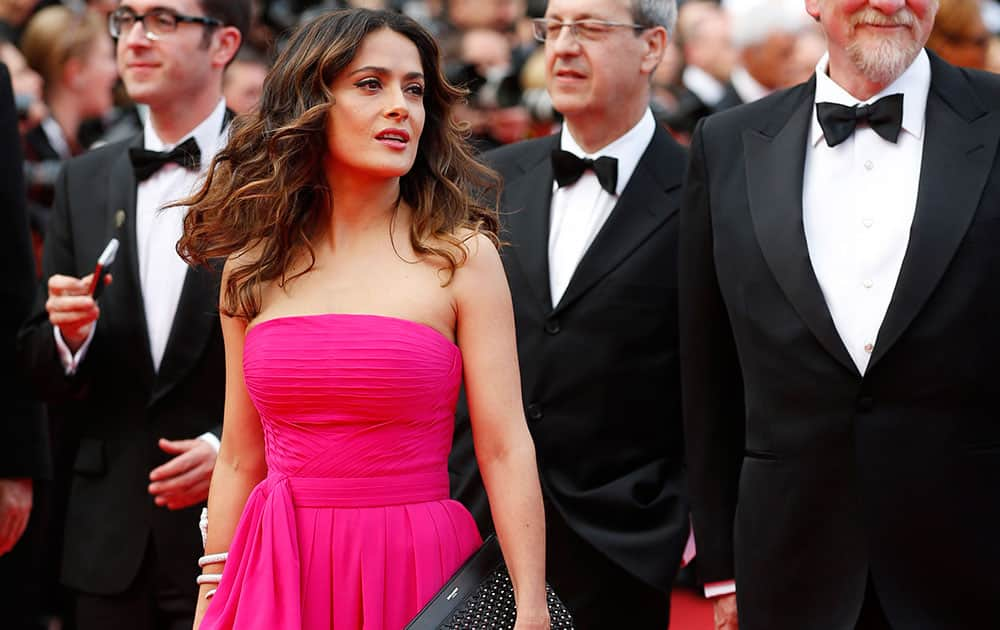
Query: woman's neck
point(360, 205)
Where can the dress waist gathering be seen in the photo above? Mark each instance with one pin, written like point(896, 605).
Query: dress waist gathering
point(360, 492)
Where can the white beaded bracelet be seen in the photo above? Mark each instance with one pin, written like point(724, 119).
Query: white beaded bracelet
point(203, 525)
point(209, 578)
point(212, 558)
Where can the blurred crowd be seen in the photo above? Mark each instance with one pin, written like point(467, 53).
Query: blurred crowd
point(721, 55)
point(69, 99)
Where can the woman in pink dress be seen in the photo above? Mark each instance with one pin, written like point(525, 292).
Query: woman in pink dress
point(361, 285)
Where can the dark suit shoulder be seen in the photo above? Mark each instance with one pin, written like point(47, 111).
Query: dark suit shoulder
point(98, 158)
point(516, 157)
point(986, 85)
point(776, 106)
point(37, 146)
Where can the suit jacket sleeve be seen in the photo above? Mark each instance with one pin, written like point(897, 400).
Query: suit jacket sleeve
point(37, 346)
point(710, 377)
point(23, 440)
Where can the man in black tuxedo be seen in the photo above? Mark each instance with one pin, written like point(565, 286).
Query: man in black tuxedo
point(840, 285)
point(592, 269)
point(24, 450)
point(143, 365)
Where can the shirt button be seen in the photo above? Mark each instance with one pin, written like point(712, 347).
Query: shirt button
point(868, 284)
point(869, 165)
point(869, 347)
point(868, 223)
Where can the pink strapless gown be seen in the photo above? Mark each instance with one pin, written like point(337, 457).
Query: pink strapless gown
point(353, 527)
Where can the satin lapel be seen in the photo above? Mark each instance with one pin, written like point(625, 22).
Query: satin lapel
point(775, 162)
point(196, 317)
point(649, 199)
point(527, 201)
point(128, 289)
point(959, 151)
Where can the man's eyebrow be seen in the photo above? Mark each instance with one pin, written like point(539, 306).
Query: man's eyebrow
point(583, 16)
point(380, 71)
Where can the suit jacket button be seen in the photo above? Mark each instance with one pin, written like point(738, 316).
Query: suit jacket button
point(865, 403)
point(534, 411)
point(552, 326)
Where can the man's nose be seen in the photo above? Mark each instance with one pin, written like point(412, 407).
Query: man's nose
point(137, 35)
point(565, 41)
point(887, 7)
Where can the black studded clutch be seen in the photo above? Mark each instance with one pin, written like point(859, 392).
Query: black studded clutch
point(480, 596)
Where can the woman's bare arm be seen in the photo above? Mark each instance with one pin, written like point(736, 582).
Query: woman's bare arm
point(240, 465)
point(504, 448)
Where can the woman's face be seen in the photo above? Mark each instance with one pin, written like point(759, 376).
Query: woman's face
point(96, 78)
point(377, 114)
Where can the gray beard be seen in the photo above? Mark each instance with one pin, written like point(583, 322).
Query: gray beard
point(884, 62)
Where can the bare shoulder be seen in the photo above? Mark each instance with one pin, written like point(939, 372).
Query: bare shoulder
point(247, 257)
point(481, 278)
point(480, 251)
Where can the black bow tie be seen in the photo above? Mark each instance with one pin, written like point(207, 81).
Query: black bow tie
point(145, 162)
point(568, 168)
point(884, 116)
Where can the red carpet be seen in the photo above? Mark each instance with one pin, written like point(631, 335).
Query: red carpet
point(689, 610)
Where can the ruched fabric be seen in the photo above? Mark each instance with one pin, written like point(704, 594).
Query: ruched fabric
point(353, 527)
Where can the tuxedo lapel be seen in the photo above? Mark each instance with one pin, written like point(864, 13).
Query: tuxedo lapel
point(192, 327)
point(775, 162)
point(128, 289)
point(527, 210)
point(958, 156)
point(644, 205)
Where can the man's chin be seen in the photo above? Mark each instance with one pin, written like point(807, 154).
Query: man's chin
point(885, 61)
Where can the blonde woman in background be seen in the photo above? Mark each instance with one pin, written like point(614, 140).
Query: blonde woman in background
point(73, 54)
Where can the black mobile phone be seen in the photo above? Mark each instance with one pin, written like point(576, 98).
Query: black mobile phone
point(102, 267)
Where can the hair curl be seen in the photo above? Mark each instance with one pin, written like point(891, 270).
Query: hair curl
point(267, 191)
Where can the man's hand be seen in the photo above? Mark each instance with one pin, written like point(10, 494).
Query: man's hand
point(725, 612)
point(184, 480)
point(71, 308)
point(15, 508)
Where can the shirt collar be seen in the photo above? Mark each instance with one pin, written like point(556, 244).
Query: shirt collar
point(747, 87)
point(705, 86)
point(914, 84)
point(627, 149)
point(207, 134)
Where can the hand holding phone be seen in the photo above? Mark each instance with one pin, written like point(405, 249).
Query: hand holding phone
point(97, 282)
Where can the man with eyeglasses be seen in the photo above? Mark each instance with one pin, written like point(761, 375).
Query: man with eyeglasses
point(591, 217)
point(141, 368)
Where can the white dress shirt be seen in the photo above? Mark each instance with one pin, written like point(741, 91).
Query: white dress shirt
point(858, 200)
point(158, 228)
point(747, 87)
point(703, 85)
point(580, 209)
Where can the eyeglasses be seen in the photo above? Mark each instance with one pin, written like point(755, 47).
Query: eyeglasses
point(546, 30)
point(156, 23)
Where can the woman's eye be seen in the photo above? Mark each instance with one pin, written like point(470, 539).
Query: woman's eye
point(369, 84)
point(416, 90)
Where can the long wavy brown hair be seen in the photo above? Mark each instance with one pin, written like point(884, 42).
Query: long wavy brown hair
point(266, 191)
